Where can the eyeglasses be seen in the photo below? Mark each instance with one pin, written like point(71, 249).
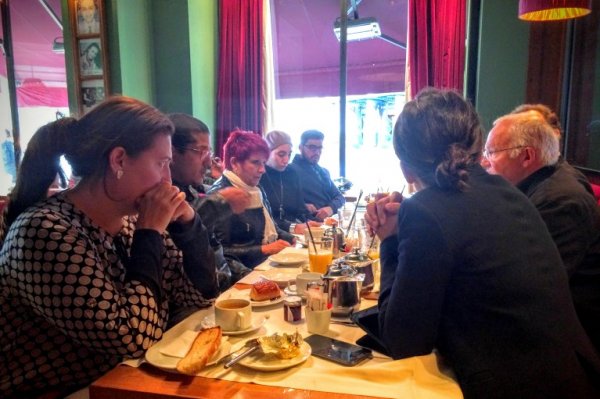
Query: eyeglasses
point(201, 152)
point(313, 148)
point(488, 153)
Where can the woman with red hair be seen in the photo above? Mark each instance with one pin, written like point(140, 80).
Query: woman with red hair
point(252, 235)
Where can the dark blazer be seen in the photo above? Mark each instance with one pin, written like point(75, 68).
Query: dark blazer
point(242, 236)
point(572, 216)
point(477, 276)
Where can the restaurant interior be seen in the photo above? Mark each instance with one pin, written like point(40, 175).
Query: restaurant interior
point(280, 64)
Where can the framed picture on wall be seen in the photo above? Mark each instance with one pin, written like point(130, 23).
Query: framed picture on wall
point(90, 52)
point(90, 57)
point(88, 17)
point(92, 93)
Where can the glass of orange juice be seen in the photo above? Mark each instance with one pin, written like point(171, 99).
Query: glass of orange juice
point(320, 255)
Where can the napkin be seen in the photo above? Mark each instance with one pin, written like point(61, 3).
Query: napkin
point(180, 346)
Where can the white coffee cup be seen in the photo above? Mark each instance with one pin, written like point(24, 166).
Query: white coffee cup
point(233, 314)
point(317, 321)
point(302, 280)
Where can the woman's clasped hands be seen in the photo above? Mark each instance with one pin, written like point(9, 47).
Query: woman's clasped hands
point(382, 215)
point(162, 205)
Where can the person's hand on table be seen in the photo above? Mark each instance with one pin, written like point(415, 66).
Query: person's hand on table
point(275, 247)
point(324, 212)
point(381, 215)
point(237, 198)
point(311, 208)
point(301, 227)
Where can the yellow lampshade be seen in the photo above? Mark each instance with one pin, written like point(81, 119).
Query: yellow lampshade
point(553, 10)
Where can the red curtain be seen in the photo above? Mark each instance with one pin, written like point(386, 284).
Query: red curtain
point(436, 44)
point(240, 91)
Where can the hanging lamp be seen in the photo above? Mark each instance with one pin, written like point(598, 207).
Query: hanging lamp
point(553, 10)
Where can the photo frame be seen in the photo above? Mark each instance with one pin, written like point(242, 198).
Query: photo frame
point(90, 52)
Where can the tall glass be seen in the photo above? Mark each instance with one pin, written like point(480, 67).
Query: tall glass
point(320, 255)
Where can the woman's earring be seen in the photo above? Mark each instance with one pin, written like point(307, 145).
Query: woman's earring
point(119, 174)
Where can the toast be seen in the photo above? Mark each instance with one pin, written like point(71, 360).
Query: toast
point(203, 348)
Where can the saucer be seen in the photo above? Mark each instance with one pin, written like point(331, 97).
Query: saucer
point(257, 322)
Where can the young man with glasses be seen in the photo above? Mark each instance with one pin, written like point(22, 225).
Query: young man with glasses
point(191, 159)
point(321, 197)
point(524, 149)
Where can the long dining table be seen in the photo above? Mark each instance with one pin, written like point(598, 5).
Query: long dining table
point(314, 378)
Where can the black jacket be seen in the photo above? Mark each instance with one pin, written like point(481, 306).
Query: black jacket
point(572, 216)
point(242, 235)
point(476, 275)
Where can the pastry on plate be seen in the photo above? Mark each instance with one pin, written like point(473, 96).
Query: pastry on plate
point(264, 290)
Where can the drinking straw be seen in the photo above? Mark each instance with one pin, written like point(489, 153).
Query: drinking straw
point(312, 239)
point(354, 213)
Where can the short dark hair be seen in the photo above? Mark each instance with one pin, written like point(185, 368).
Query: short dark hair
point(438, 136)
point(185, 126)
point(312, 134)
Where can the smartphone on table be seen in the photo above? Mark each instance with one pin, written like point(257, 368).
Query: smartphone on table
point(337, 351)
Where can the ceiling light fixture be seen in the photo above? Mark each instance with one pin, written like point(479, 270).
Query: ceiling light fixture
point(553, 10)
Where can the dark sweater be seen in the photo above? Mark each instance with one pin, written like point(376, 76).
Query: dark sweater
point(317, 187)
point(284, 192)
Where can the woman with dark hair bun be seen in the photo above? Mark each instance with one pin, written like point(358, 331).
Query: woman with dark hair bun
point(252, 235)
point(92, 275)
point(469, 268)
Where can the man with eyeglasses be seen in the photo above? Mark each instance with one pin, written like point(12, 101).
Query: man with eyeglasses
point(321, 197)
point(191, 160)
point(524, 149)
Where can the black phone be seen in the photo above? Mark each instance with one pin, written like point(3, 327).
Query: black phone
point(338, 351)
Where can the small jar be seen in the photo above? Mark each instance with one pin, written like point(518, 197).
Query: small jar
point(292, 309)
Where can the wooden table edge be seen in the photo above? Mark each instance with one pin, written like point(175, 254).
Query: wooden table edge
point(147, 382)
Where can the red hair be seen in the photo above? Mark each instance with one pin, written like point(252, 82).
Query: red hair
point(241, 145)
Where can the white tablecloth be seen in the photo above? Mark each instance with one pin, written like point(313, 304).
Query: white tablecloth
point(416, 377)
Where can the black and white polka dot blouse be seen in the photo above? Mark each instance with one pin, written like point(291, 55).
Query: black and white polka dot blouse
point(75, 301)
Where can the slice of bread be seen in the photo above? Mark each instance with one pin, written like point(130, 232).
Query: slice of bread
point(203, 348)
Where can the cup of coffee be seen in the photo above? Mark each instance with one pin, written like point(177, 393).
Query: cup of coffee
point(302, 280)
point(233, 314)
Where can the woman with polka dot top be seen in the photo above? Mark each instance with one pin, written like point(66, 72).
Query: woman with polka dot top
point(96, 274)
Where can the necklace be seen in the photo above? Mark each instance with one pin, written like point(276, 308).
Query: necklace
point(280, 196)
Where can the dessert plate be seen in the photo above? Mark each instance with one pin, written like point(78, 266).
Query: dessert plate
point(257, 322)
point(287, 259)
point(262, 362)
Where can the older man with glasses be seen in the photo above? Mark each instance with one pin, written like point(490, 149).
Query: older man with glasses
point(524, 149)
point(321, 197)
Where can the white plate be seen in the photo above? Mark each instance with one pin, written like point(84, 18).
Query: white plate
point(268, 302)
point(288, 258)
point(259, 361)
point(169, 363)
point(257, 322)
point(278, 277)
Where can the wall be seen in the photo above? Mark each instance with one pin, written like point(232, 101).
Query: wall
point(503, 57)
point(165, 52)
